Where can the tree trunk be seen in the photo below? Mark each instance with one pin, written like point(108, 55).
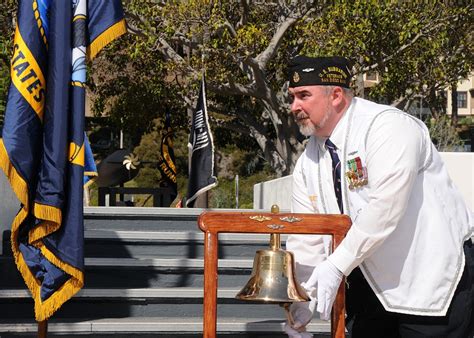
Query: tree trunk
point(454, 105)
point(359, 86)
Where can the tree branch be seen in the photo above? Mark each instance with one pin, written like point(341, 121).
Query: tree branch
point(234, 89)
point(133, 29)
point(230, 28)
point(245, 13)
point(405, 46)
point(275, 42)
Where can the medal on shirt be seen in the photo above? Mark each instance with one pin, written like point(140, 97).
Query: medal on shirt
point(356, 174)
point(314, 202)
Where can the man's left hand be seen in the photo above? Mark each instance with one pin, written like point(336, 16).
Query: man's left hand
point(293, 333)
point(323, 285)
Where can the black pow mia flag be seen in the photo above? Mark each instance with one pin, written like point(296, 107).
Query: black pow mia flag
point(201, 147)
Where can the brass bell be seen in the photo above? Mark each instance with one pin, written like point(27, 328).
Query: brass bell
point(273, 279)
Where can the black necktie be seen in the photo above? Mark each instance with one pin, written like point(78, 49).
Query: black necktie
point(336, 172)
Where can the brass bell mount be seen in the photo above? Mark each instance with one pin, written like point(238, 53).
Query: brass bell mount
point(273, 275)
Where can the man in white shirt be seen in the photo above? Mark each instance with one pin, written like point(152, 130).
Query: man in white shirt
point(408, 256)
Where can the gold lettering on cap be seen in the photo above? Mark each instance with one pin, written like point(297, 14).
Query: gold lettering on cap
point(333, 74)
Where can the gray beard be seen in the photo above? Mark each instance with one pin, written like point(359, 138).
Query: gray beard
point(309, 129)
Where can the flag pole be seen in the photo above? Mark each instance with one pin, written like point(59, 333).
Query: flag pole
point(43, 329)
point(203, 200)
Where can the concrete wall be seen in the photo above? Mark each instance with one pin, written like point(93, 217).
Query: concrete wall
point(271, 192)
point(460, 167)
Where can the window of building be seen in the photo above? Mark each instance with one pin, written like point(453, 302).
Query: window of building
point(462, 99)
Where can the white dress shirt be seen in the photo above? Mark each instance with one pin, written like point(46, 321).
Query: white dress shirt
point(408, 209)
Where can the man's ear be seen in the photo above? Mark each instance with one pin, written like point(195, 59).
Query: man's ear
point(337, 96)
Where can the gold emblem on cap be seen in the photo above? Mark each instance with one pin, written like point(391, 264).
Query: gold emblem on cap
point(296, 77)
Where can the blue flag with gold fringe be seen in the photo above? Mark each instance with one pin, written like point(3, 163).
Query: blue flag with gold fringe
point(42, 149)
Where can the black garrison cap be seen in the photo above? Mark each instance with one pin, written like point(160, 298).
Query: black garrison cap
point(320, 71)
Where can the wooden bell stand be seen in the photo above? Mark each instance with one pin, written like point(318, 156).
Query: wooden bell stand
point(214, 222)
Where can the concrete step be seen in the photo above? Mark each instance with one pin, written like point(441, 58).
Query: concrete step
point(138, 293)
point(165, 263)
point(159, 326)
point(144, 277)
point(126, 243)
point(16, 304)
point(119, 303)
point(89, 309)
point(145, 262)
point(178, 236)
point(126, 218)
point(143, 272)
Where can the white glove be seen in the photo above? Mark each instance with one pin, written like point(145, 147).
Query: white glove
point(301, 313)
point(292, 333)
point(323, 285)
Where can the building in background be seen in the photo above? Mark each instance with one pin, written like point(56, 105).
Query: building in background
point(465, 89)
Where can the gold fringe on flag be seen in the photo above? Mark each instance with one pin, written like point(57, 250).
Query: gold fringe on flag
point(107, 36)
point(52, 217)
point(43, 310)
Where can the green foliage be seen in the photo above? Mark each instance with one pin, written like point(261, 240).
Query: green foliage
point(132, 90)
point(467, 121)
point(444, 135)
point(249, 166)
point(417, 48)
point(7, 12)
point(223, 196)
point(3, 92)
point(149, 152)
point(148, 177)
